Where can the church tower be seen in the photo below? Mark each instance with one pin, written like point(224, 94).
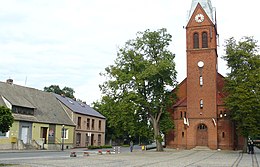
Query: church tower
point(199, 114)
point(201, 45)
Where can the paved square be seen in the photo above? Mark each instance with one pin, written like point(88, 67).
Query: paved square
point(175, 158)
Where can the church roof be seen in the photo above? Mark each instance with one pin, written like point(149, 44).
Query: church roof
point(181, 103)
point(206, 5)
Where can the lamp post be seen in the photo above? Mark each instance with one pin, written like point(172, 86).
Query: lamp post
point(62, 137)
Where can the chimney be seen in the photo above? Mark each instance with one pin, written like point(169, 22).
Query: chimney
point(10, 81)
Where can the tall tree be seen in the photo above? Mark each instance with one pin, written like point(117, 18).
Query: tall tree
point(122, 122)
point(6, 119)
point(142, 70)
point(67, 91)
point(243, 84)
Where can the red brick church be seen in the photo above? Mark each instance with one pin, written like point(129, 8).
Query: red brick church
point(199, 114)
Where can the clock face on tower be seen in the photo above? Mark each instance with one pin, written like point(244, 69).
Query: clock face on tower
point(199, 18)
point(200, 64)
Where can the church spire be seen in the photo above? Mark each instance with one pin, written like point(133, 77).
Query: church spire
point(206, 5)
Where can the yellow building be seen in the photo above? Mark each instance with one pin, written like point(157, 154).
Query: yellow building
point(40, 120)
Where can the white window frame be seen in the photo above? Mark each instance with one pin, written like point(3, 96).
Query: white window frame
point(66, 134)
point(6, 135)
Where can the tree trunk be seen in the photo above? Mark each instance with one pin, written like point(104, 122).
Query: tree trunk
point(157, 135)
point(245, 145)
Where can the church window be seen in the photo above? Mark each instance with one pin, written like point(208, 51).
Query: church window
point(223, 134)
point(221, 114)
point(202, 127)
point(181, 114)
point(195, 40)
point(182, 134)
point(185, 114)
point(201, 81)
point(201, 103)
point(204, 40)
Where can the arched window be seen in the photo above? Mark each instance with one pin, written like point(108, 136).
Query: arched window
point(201, 81)
point(195, 40)
point(204, 40)
point(201, 103)
point(202, 127)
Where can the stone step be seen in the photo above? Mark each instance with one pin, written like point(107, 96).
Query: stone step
point(201, 148)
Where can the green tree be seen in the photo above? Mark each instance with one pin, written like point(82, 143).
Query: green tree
point(142, 70)
point(122, 121)
point(6, 119)
point(243, 85)
point(67, 91)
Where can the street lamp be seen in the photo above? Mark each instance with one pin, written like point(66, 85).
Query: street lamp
point(62, 137)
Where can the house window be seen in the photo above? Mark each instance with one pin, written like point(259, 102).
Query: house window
point(87, 139)
point(99, 125)
point(201, 103)
point(93, 124)
point(201, 81)
point(22, 110)
point(195, 40)
point(79, 123)
point(204, 40)
point(88, 123)
point(6, 134)
point(99, 140)
point(78, 139)
point(64, 133)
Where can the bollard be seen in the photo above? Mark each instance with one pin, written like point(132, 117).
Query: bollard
point(86, 154)
point(108, 152)
point(73, 154)
point(100, 152)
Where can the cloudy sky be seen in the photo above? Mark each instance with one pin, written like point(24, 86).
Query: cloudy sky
point(69, 42)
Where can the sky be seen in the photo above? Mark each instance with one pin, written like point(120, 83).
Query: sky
point(69, 42)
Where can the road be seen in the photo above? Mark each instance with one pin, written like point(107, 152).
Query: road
point(14, 155)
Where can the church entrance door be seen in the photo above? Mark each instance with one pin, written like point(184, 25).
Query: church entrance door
point(202, 135)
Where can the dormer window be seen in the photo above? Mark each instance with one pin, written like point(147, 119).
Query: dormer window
point(195, 40)
point(22, 110)
point(204, 40)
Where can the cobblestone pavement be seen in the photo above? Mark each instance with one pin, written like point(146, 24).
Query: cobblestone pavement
point(173, 158)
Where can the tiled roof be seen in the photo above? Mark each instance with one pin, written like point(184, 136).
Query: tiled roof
point(46, 107)
point(78, 107)
point(181, 103)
